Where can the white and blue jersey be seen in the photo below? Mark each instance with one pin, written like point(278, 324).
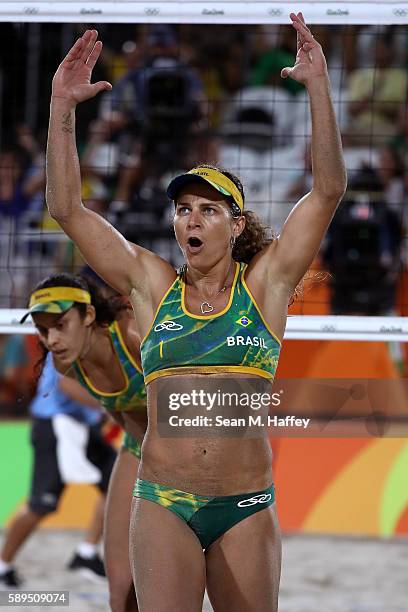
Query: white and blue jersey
point(50, 400)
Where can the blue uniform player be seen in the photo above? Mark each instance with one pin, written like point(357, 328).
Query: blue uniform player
point(67, 447)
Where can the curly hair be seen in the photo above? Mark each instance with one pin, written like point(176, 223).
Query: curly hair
point(255, 237)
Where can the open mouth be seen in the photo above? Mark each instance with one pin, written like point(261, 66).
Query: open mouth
point(194, 244)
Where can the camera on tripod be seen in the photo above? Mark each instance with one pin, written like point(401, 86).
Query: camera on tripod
point(362, 250)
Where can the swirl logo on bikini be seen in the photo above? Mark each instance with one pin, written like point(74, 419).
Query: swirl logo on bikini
point(168, 325)
point(262, 498)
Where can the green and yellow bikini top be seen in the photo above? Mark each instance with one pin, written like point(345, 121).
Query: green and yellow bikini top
point(133, 395)
point(237, 339)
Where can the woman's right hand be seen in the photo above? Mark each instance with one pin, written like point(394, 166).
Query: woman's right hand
point(72, 81)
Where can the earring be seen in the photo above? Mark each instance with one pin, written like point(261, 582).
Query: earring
point(232, 242)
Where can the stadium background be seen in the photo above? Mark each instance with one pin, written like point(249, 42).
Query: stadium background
point(225, 103)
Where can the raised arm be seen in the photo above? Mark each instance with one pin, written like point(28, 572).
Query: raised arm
point(293, 252)
point(121, 264)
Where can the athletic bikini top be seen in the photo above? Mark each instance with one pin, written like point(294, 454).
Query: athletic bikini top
point(237, 339)
point(133, 395)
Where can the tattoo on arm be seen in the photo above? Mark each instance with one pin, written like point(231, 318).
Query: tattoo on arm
point(67, 123)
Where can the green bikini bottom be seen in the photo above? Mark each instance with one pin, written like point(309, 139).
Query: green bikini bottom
point(208, 517)
point(132, 445)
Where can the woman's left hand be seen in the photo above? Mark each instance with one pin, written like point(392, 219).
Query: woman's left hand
point(310, 61)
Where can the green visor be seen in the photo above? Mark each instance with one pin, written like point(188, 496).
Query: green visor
point(58, 307)
point(215, 178)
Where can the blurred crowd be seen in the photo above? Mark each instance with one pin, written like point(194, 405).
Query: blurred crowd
point(188, 94)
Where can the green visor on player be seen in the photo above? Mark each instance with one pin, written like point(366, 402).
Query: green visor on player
point(56, 300)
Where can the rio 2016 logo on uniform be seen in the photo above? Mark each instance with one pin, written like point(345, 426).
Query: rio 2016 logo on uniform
point(168, 325)
point(262, 498)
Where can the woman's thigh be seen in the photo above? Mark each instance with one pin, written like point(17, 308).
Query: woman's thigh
point(243, 566)
point(168, 561)
point(117, 520)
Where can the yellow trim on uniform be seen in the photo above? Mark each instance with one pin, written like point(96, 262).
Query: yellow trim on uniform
point(55, 294)
point(257, 307)
point(216, 178)
point(105, 393)
point(157, 310)
point(210, 315)
point(125, 348)
point(179, 371)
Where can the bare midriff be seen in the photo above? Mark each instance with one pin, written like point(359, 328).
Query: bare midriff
point(216, 465)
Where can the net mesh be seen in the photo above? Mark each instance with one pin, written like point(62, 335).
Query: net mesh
point(186, 94)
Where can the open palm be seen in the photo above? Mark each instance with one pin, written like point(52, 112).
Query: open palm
point(73, 77)
point(310, 61)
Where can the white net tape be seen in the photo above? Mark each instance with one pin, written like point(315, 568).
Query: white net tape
point(305, 327)
point(197, 11)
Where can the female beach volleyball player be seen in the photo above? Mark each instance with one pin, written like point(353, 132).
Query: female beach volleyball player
point(93, 339)
point(197, 494)
point(68, 446)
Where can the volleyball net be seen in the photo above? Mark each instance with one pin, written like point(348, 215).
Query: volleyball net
point(199, 81)
point(211, 91)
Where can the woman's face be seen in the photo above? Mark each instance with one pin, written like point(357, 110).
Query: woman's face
point(204, 226)
point(64, 335)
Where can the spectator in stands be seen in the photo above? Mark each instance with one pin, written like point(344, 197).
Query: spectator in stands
point(14, 193)
point(156, 107)
point(22, 177)
point(375, 95)
point(400, 140)
point(34, 183)
point(272, 59)
point(222, 64)
point(100, 155)
point(362, 249)
point(67, 447)
point(14, 385)
point(233, 66)
point(390, 171)
point(120, 64)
